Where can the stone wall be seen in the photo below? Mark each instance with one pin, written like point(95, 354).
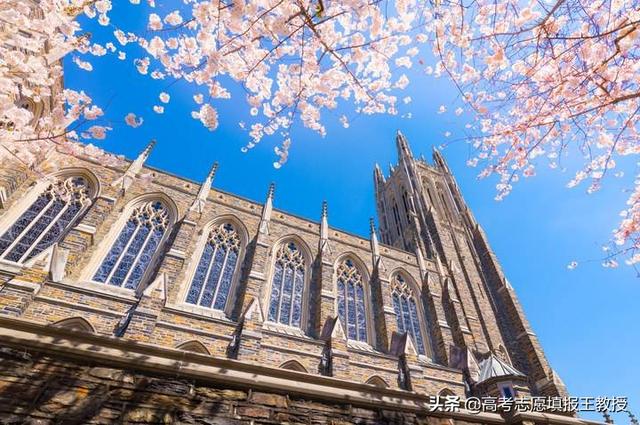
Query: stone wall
point(161, 317)
point(58, 376)
point(449, 289)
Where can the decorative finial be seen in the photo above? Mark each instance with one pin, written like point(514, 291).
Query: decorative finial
point(134, 168)
point(272, 190)
point(324, 229)
point(607, 417)
point(203, 193)
point(375, 246)
point(404, 151)
point(632, 418)
point(213, 170)
point(150, 146)
point(439, 159)
point(266, 210)
point(378, 177)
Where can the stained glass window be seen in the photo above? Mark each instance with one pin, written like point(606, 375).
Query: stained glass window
point(130, 255)
point(46, 220)
point(406, 309)
point(285, 305)
point(213, 277)
point(351, 302)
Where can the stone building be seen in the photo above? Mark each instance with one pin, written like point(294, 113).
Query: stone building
point(128, 294)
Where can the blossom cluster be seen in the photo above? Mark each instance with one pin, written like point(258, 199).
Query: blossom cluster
point(546, 81)
point(36, 113)
point(294, 60)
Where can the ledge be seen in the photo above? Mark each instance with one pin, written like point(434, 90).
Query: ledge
point(117, 352)
point(100, 290)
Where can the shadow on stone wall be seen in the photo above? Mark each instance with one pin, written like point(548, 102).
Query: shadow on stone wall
point(40, 388)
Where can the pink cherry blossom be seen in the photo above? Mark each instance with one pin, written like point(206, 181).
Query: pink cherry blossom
point(83, 64)
point(132, 120)
point(542, 79)
point(536, 79)
point(98, 132)
point(208, 116)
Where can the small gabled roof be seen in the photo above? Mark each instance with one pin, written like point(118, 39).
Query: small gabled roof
point(494, 367)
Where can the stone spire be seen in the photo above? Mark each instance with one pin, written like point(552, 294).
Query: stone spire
point(439, 160)
point(266, 210)
point(203, 193)
point(324, 228)
point(375, 247)
point(378, 177)
point(134, 168)
point(404, 151)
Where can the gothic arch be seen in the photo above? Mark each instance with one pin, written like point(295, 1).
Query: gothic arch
point(79, 324)
point(230, 233)
point(377, 381)
point(349, 267)
point(405, 295)
point(293, 365)
point(445, 392)
point(405, 274)
point(140, 232)
point(235, 220)
point(193, 346)
point(290, 260)
point(46, 212)
point(304, 246)
point(362, 265)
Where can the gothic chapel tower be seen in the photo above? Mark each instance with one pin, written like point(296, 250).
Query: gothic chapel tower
point(475, 314)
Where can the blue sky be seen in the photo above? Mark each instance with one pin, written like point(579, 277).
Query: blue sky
point(586, 319)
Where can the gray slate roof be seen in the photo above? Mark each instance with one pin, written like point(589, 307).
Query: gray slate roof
point(493, 367)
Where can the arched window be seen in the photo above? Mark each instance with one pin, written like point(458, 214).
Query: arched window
point(406, 309)
point(130, 255)
point(47, 219)
point(446, 392)
point(351, 301)
point(293, 365)
point(377, 382)
point(213, 277)
point(76, 324)
point(194, 346)
point(287, 286)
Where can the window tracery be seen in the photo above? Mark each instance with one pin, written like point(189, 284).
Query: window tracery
point(285, 305)
point(351, 301)
point(46, 220)
point(133, 250)
point(214, 274)
point(406, 309)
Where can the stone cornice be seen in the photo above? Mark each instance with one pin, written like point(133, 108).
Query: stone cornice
point(116, 352)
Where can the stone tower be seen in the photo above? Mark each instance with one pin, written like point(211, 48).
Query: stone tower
point(475, 311)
